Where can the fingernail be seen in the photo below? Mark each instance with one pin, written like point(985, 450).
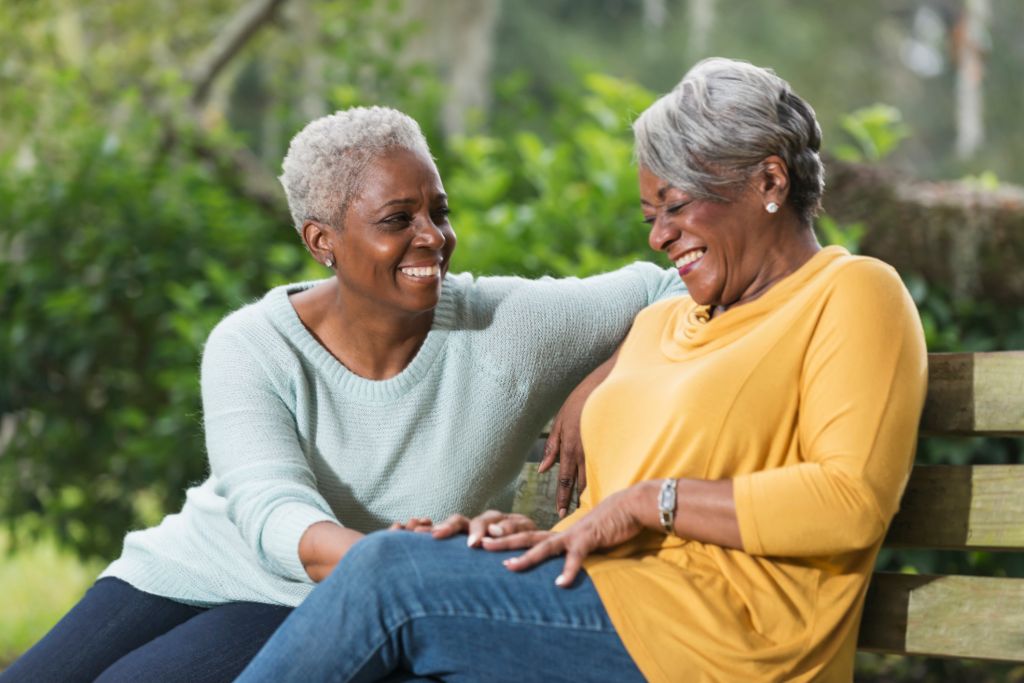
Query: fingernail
point(472, 539)
point(560, 581)
point(495, 530)
point(562, 512)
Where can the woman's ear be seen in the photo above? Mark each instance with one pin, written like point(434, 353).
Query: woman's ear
point(319, 239)
point(773, 180)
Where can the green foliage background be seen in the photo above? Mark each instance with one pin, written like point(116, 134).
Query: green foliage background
point(125, 235)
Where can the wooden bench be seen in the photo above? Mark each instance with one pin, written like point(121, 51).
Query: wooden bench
point(962, 508)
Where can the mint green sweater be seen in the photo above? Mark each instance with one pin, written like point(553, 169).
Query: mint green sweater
point(295, 438)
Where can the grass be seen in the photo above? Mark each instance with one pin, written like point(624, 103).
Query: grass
point(41, 583)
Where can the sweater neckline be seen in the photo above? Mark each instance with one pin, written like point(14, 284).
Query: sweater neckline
point(692, 326)
point(335, 372)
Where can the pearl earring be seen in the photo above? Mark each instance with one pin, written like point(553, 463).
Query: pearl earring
point(329, 262)
point(772, 207)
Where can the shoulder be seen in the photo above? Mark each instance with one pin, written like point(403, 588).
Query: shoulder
point(862, 298)
point(261, 327)
point(866, 281)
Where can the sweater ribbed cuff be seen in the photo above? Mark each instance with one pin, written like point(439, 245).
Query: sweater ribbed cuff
point(282, 533)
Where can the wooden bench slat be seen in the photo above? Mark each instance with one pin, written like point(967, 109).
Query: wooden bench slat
point(975, 393)
point(979, 507)
point(536, 495)
point(944, 616)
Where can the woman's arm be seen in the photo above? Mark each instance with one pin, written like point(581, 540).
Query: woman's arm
point(704, 512)
point(255, 456)
point(323, 545)
point(862, 389)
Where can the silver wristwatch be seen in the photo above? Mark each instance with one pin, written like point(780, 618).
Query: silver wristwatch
point(667, 505)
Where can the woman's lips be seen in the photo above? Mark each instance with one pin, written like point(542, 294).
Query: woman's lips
point(421, 272)
point(689, 260)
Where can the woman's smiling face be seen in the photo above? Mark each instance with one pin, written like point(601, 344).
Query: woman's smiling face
point(395, 245)
point(719, 247)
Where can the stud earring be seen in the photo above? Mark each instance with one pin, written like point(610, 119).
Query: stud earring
point(772, 207)
point(329, 262)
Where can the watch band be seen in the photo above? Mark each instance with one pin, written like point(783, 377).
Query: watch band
point(667, 505)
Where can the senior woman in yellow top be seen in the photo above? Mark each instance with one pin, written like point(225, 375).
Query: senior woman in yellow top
point(745, 455)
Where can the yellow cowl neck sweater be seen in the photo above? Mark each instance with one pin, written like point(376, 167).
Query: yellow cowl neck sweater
point(809, 399)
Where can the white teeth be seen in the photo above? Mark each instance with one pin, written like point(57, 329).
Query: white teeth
point(429, 271)
point(689, 257)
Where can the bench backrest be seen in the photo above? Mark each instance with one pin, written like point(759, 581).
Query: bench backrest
point(965, 508)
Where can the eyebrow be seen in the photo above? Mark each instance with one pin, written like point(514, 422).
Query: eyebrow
point(409, 200)
point(662, 191)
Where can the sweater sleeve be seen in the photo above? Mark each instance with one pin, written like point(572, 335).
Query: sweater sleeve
point(861, 395)
point(255, 455)
point(555, 330)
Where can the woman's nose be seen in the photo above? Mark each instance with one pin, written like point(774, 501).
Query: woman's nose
point(661, 235)
point(429, 235)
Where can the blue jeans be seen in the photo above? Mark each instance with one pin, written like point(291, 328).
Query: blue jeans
point(119, 633)
point(402, 601)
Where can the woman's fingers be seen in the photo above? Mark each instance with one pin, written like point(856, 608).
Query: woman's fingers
point(478, 526)
point(516, 541)
point(512, 523)
point(552, 545)
point(456, 524)
point(551, 447)
point(566, 481)
point(414, 524)
point(573, 562)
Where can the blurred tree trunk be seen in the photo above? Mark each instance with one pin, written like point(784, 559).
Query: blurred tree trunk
point(306, 30)
point(702, 22)
point(457, 36)
point(655, 14)
point(956, 233)
point(970, 40)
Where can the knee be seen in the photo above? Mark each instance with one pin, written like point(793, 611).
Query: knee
point(380, 557)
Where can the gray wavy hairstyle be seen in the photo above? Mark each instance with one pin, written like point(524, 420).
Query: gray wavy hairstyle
point(323, 169)
point(720, 122)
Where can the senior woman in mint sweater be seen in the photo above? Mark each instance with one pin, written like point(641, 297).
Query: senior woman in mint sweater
point(390, 390)
point(744, 456)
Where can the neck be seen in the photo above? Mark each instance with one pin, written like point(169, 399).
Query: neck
point(373, 342)
point(786, 253)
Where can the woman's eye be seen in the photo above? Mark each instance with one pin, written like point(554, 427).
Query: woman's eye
point(649, 220)
point(676, 208)
point(441, 214)
point(398, 219)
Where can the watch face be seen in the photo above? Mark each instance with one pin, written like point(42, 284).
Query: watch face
point(667, 504)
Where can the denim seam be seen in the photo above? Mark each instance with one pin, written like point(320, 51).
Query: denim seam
point(420, 615)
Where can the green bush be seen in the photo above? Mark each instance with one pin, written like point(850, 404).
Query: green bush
point(115, 262)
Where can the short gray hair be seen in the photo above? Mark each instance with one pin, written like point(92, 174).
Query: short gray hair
point(323, 168)
point(717, 125)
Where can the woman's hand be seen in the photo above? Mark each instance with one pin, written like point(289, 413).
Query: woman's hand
point(564, 442)
point(490, 524)
point(323, 545)
point(614, 521)
point(420, 524)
